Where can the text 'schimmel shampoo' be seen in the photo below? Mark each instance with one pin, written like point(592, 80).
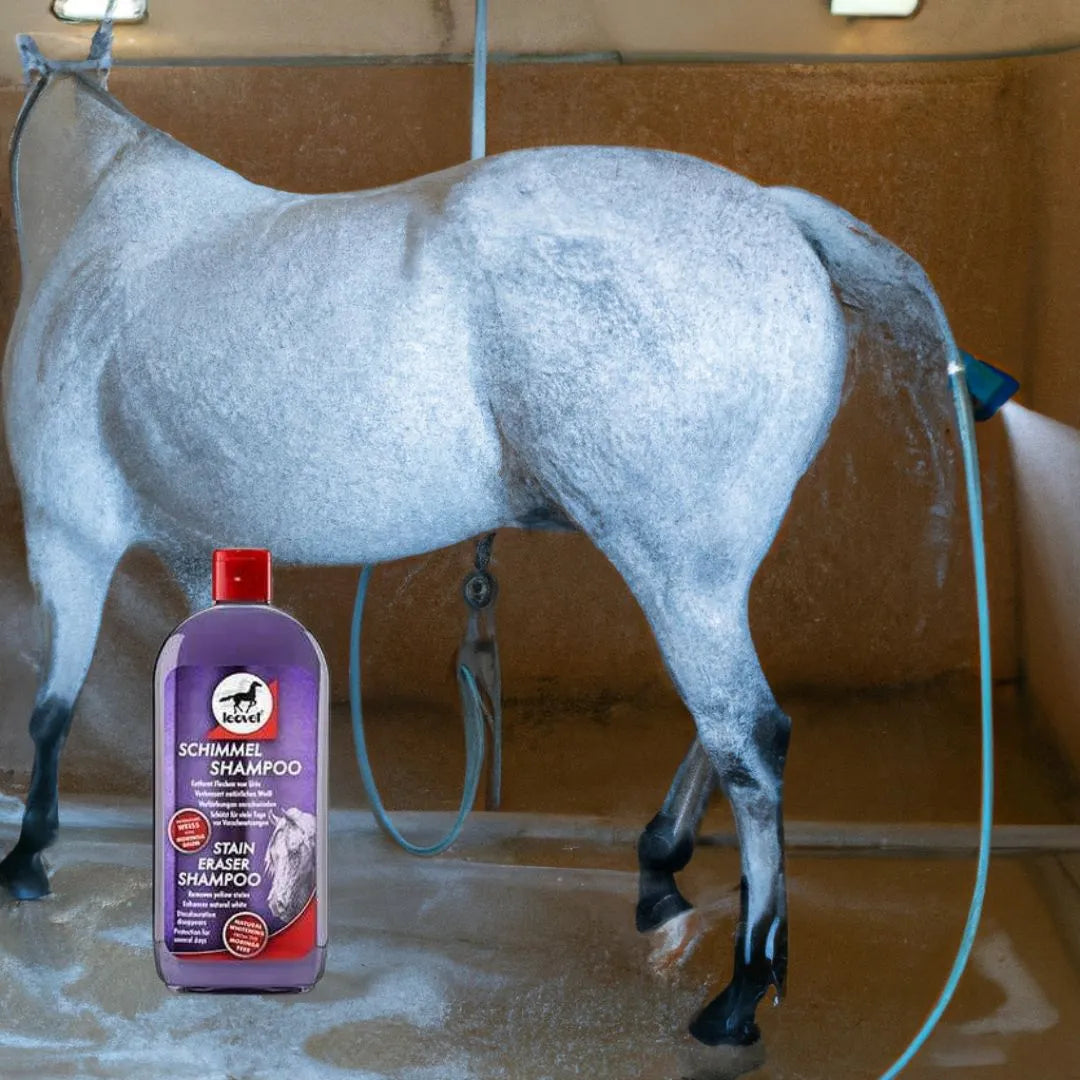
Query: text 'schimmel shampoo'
point(240, 757)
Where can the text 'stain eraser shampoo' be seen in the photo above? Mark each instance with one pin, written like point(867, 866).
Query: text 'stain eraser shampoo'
point(241, 727)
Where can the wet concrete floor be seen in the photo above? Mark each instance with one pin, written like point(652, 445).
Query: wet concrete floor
point(514, 955)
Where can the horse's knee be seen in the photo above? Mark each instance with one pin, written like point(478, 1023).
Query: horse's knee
point(49, 722)
point(71, 568)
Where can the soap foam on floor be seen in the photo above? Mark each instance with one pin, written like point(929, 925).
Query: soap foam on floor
point(512, 961)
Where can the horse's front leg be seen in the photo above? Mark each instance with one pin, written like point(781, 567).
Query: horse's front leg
point(72, 579)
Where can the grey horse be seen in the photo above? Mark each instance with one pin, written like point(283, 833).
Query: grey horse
point(637, 344)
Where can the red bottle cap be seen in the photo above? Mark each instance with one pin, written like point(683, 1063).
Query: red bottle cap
point(241, 575)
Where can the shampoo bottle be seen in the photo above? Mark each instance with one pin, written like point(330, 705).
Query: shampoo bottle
point(241, 729)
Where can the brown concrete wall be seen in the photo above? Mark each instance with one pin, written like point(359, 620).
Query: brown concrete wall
point(1046, 447)
point(1054, 292)
point(253, 29)
point(935, 155)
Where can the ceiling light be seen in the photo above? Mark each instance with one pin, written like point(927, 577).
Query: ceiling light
point(93, 11)
point(896, 9)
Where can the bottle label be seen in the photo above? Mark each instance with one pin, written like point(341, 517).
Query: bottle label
point(240, 790)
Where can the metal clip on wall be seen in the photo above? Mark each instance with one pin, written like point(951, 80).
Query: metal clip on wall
point(479, 654)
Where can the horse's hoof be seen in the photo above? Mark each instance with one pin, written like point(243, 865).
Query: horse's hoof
point(653, 912)
point(24, 875)
point(724, 1022)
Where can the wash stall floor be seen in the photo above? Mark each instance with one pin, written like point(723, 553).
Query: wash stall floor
point(515, 956)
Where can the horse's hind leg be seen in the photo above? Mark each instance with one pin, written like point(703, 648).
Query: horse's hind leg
point(667, 843)
point(72, 576)
point(703, 631)
point(749, 755)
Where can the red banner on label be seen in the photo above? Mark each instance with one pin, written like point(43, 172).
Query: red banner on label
point(291, 942)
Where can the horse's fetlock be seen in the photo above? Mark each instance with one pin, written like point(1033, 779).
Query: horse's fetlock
point(39, 828)
point(660, 847)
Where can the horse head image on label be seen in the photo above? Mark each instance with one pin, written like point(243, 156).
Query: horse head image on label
point(290, 862)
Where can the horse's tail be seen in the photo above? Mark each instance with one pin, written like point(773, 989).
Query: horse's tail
point(888, 295)
point(881, 284)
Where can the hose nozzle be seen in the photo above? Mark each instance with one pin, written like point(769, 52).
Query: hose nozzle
point(988, 386)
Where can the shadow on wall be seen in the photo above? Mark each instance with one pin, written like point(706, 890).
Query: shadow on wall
point(1046, 461)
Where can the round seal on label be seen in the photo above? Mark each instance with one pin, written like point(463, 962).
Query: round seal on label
point(245, 934)
point(188, 830)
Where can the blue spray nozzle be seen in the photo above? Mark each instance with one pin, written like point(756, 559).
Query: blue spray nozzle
point(988, 386)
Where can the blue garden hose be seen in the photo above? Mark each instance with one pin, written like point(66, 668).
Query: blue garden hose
point(474, 739)
point(479, 85)
point(966, 417)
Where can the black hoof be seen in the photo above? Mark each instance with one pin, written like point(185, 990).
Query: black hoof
point(654, 911)
point(726, 1021)
point(23, 874)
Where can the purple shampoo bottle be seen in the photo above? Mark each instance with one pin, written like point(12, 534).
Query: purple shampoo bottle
point(241, 733)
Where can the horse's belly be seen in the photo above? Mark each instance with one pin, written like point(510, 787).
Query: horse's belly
point(335, 514)
point(314, 472)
